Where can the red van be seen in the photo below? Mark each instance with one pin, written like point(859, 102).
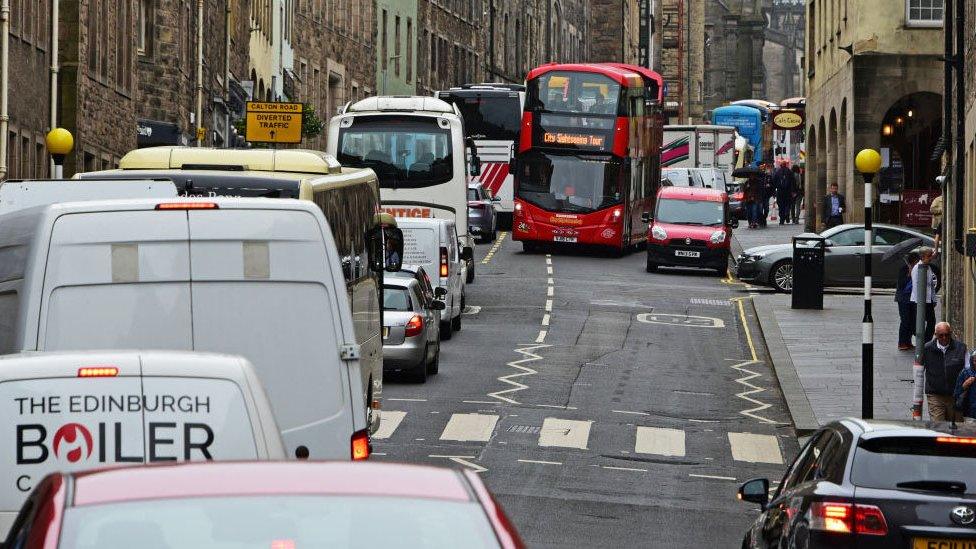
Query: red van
point(691, 227)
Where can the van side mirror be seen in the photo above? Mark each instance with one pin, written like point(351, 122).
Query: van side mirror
point(646, 217)
point(440, 292)
point(755, 491)
point(392, 249)
point(467, 254)
point(437, 305)
point(475, 166)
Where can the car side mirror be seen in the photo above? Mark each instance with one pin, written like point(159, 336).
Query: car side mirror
point(646, 217)
point(440, 292)
point(437, 305)
point(755, 491)
point(467, 254)
point(828, 243)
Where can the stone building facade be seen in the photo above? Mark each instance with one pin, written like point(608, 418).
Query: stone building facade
point(450, 44)
point(735, 63)
point(614, 31)
point(396, 47)
point(682, 59)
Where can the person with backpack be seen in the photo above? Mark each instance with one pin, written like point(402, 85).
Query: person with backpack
point(965, 393)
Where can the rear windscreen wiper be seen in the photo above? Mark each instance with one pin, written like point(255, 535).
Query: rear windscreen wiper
point(934, 485)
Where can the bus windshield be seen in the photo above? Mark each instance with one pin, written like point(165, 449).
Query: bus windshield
point(575, 92)
point(569, 183)
point(404, 152)
point(492, 117)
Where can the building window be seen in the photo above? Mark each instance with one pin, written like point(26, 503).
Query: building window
point(396, 45)
point(104, 42)
point(92, 39)
point(924, 13)
point(409, 50)
point(144, 35)
point(384, 47)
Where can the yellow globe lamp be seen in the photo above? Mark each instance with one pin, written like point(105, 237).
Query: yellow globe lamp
point(868, 162)
point(59, 144)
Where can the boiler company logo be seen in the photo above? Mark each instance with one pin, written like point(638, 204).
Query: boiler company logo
point(71, 439)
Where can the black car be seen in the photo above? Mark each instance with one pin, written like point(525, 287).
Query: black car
point(869, 484)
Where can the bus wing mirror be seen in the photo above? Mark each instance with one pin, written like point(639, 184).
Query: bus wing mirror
point(440, 292)
point(392, 249)
point(475, 166)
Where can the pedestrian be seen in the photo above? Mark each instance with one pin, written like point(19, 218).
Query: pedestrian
point(906, 309)
point(943, 360)
point(936, 210)
point(797, 195)
point(834, 206)
point(965, 393)
point(768, 192)
point(785, 184)
point(750, 196)
point(932, 287)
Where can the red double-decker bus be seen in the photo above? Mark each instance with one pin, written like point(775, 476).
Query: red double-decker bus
point(588, 163)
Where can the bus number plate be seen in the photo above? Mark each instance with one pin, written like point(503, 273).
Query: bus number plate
point(564, 239)
point(685, 253)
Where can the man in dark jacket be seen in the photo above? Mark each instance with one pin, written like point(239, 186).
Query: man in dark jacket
point(834, 206)
point(767, 192)
point(943, 359)
point(785, 185)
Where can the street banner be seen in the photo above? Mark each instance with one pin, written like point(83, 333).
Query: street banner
point(274, 122)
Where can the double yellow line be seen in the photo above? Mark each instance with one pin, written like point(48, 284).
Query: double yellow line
point(491, 252)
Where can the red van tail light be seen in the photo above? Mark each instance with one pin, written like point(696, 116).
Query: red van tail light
point(444, 267)
point(360, 445)
point(187, 206)
point(414, 326)
point(98, 371)
point(845, 518)
point(956, 440)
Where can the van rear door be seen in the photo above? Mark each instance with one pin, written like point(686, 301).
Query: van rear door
point(259, 291)
point(116, 280)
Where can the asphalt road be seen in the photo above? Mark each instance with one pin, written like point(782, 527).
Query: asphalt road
point(604, 406)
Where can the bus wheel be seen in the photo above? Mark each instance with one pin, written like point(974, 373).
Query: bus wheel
point(446, 332)
point(456, 323)
point(529, 247)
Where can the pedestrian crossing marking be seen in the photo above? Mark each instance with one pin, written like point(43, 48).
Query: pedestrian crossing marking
point(470, 427)
point(753, 448)
point(660, 441)
point(564, 433)
point(389, 421)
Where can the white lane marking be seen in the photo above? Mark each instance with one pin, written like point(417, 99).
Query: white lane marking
point(479, 402)
point(549, 270)
point(559, 406)
point(550, 282)
point(550, 291)
point(463, 460)
point(540, 462)
point(686, 321)
point(545, 319)
point(548, 305)
point(541, 338)
point(704, 420)
point(378, 454)
point(530, 356)
point(716, 477)
point(470, 427)
point(408, 399)
point(660, 441)
point(748, 375)
point(389, 421)
point(472, 310)
point(753, 448)
point(612, 468)
point(564, 433)
point(548, 261)
point(628, 412)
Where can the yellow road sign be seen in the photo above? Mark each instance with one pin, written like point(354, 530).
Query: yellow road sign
point(274, 122)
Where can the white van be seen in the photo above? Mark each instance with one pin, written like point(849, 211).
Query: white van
point(83, 410)
point(255, 277)
point(434, 245)
point(17, 195)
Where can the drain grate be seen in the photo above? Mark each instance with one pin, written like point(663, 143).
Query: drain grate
point(526, 429)
point(713, 302)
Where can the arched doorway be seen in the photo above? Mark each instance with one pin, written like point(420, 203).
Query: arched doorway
point(910, 130)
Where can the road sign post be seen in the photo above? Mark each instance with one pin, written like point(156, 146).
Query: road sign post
point(274, 122)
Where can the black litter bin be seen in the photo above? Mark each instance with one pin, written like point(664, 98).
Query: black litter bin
point(808, 271)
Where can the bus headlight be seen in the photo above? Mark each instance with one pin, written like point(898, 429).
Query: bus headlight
point(657, 233)
point(718, 237)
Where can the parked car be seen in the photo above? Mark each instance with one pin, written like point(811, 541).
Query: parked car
point(411, 329)
point(482, 213)
point(843, 258)
point(869, 484)
point(86, 409)
point(272, 504)
point(691, 227)
point(433, 244)
point(418, 273)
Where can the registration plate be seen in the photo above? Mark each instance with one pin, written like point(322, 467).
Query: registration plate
point(564, 239)
point(685, 253)
point(943, 543)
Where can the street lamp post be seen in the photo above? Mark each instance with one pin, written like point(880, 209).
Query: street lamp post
point(59, 144)
point(868, 162)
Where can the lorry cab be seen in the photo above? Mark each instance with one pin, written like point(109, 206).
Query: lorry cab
point(691, 227)
point(92, 409)
point(255, 277)
point(434, 245)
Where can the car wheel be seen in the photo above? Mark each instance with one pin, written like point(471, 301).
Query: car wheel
point(435, 363)
point(420, 372)
point(456, 323)
point(781, 276)
point(470, 277)
point(446, 332)
point(651, 266)
point(494, 235)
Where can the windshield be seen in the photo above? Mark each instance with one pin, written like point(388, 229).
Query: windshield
point(492, 117)
point(569, 183)
point(913, 461)
point(396, 299)
point(575, 92)
point(690, 212)
point(293, 522)
point(405, 152)
point(677, 178)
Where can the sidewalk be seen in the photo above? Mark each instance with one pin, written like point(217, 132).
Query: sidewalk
point(817, 354)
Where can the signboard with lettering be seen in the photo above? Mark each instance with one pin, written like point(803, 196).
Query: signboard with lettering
point(788, 119)
point(915, 207)
point(274, 122)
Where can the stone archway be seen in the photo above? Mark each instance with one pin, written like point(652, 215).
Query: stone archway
point(810, 179)
point(844, 157)
point(820, 186)
point(910, 130)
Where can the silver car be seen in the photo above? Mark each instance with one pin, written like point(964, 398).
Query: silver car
point(411, 331)
point(843, 258)
point(482, 213)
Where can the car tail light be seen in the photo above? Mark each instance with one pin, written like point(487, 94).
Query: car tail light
point(98, 371)
point(956, 440)
point(187, 206)
point(444, 269)
point(414, 326)
point(360, 445)
point(846, 518)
